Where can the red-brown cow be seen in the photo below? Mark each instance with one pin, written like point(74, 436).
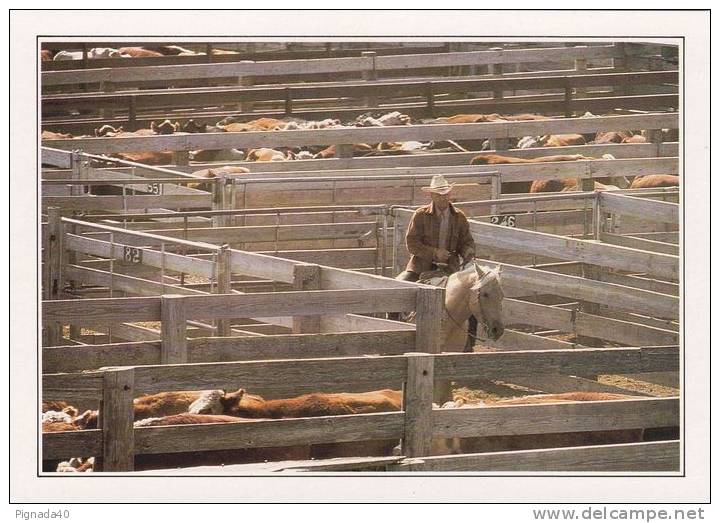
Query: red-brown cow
point(654, 181)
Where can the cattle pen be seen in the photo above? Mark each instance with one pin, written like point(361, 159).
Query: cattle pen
point(279, 279)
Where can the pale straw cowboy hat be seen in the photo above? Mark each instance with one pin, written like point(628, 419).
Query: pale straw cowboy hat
point(439, 185)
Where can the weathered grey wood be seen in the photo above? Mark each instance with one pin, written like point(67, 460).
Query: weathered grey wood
point(357, 322)
point(172, 262)
point(639, 243)
point(547, 418)
point(82, 388)
point(362, 135)
point(138, 202)
point(327, 345)
point(173, 329)
point(454, 159)
point(560, 247)
point(116, 417)
point(74, 358)
point(102, 309)
point(429, 310)
point(330, 65)
point(262, 266)
point(499, 365)
point(651, 210)
point(61, 445)
point(417, 404)
point(619, 297)
point(307, 277)
point(274, 376)
point(224, 283)
point(335, 278)
point(269, 433)
point(646, 283)
point(513, 340)
point(631, 334)
point(630, 457)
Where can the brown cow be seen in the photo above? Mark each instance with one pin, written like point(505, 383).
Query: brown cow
point(214, 173)
point(49, 135)
point(561, 140)
point(46, 55)
point(165, 127)
point(148, 158)
point(495, 159)
point(654, 181)
point(265, 154)
point(139, 52)
point(245, 405)
point(554, 440)
point(358, 149)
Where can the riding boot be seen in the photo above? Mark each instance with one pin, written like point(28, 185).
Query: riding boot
point(472, 334)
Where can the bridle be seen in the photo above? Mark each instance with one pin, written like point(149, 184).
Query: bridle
point(484, 323)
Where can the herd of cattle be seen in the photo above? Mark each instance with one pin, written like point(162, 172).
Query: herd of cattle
point(217, 406)
point(147, 51)
point(234, 124)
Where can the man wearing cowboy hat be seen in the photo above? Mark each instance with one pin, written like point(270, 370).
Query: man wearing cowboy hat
point(438, 234)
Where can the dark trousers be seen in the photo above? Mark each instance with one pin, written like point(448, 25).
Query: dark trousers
point(472, 321)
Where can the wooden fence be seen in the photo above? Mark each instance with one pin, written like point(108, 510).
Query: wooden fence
point(418, 423)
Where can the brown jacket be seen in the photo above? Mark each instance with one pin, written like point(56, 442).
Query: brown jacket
point(423, 236)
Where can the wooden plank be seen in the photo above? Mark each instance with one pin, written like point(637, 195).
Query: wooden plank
point(171, 261)
point(651, 210)
point(619, 297)
point(74, 358)
point(101, 309)
point(359, 135)
point(417, 404)
point(285, 346)
point(274, 376)
point(513, 340)
point(630, 457)
point(62, 445)
point(138, 202)
point(450, 159)
point(116, 416)
point(72, 387)
point(628, 333)
point(313, 66)
point(578, 362)
point(430, 310)
point(546, 418)
point(248, 433)
point(560, 247)
point(639, 243)
point(304, 303)
point(335, 278)
point(173, 329)
point(262, 266)
point(357, 322)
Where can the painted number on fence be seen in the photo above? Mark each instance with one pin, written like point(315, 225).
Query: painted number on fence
point(508, 220)
point(153, 188)
point(132, 255)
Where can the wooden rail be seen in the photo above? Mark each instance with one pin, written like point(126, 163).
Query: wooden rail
point(417, 425)
point(331, 65)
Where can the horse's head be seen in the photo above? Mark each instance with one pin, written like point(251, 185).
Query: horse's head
point(486, 301)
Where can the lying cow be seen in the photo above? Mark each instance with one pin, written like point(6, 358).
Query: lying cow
point(94, 53)
point(265, 154)
point(215, 173)
point(556, 440)
point(139, 52)
point(654, 181)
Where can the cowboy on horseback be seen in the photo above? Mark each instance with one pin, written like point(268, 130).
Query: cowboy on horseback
point(438, 238)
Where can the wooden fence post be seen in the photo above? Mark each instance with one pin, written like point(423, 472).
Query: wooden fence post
point(498, 144)
point(620, 65)
point(246, 81)
point(219, 200)
point(107, 113)
point(429, 313)
point(52, 333)
point(116, 420)
point(224, 284)
point(306, 278)
point(370, 75)
point(173, 329)
point(581, 67)
point(344, 150)
point(417, 404)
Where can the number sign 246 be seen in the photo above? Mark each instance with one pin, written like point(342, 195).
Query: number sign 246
point(508, 220)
